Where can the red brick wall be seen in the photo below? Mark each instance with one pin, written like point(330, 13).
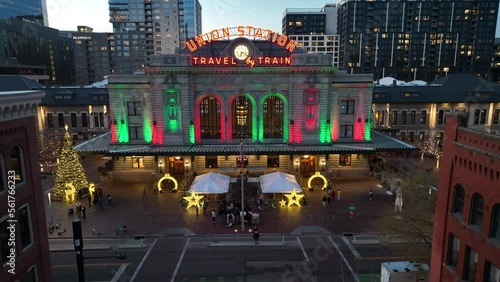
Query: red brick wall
point(22, 132)
point(470, 159)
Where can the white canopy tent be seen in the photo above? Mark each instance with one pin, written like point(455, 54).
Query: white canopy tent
point(210, 183)
point(279, 182)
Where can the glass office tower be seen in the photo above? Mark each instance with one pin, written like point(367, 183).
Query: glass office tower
point(27, 10)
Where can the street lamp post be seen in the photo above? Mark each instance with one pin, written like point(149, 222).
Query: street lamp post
point(241, 115)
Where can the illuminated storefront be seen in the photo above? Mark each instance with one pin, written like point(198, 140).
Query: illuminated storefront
point(293, 111)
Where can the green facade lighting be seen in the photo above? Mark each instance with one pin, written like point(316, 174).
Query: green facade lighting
point(286, 128)
point(192, 138)
point(146, 129)
point(368, 126)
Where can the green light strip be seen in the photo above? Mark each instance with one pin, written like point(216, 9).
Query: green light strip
point(368, 127)
point(147, 130)
point(192, 139)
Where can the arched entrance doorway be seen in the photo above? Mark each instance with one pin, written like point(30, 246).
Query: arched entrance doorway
point(307, 165)
point(176, 165)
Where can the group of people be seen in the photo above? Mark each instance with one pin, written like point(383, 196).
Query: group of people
point(81, 211)
point(94, 198)
point(330, 195)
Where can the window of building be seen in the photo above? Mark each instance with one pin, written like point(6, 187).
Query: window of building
point(411, 136)
point(470, 264)
point(346, 131)
point(73, 120)
point(96, 120)
point(413, 117)
point(273, 117)
point(394, 117)
point(347, 106)
point(135, 133)
point(496, 117)
point(482, 116)
point(4, 235)
point(495, 224)
point(211, 162)
point(241, 109)
point(210, 118)
point(423, 117)
point(476, 217)
point(101, 119)
point(453, 248)
point(273, 161)
point(17, 163)
point(491, 272)
point(458, 200)
point(50, 120)
point(402, 135)
point(403, 117)
point(442, 117)
point(379, 117)
point(25, 228)
point(345, 160)
point(85, 122)
point(134, 108)
point(60, 118)
point(32, 274)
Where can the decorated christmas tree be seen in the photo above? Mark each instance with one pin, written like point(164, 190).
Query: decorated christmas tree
point(69, 169)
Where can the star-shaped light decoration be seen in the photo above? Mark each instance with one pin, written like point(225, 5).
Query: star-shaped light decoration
point(282, 203)
point(294, 198)
point(193, 200)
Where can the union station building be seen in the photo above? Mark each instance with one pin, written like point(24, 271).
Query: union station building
point(286, 110)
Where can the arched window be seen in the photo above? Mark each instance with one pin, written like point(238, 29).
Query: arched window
point(476, 217)
point(241, 110)
point(210, 118)
point(495, 223)
point(273, 115)
point(458, 200)
point(17, 163)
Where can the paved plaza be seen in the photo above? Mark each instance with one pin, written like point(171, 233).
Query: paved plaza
point(161, 215)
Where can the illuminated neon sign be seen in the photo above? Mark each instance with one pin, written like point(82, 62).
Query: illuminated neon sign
point(257, 33)
point(230, 61)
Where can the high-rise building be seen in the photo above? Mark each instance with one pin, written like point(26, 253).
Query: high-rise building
point(467, 220)
point(24, 248)
point(495, 62)
point(417, 39)
point(94, 54)
point(36, 51)
point(151, 27)
point(313, 29)
point(26, 10)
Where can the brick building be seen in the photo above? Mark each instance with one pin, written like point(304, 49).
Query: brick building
point(19, 163)
point(466, 240)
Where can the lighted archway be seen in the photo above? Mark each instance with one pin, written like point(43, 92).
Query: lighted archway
point(285, 115)
point(197, 121)
point(70, 191)
point(317, 175)
point(230, 113)
point(165, 177)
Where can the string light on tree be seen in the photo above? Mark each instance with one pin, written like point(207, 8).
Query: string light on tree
point(431, 147)
point(69, 169)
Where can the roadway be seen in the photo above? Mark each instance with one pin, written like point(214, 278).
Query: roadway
point(230, 258)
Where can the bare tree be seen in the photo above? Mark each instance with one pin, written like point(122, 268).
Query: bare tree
point(414, 222)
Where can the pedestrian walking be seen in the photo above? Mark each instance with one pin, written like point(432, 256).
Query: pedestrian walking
point(197, 210)
point(329, 199)
point(205, 205)
point(324, 201)
point(84, 212)
point(370, 194)
point(213, 215)
point(90, 200)
point(79, 209)
point(256, 236)
point(110, 200)
point(338, 194)
point(144, 196)
point(317, 184)
point(99, 202)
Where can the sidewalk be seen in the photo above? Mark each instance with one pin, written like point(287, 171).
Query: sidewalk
point(161, 215)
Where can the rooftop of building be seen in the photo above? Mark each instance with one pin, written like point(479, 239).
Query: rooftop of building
point(459, 87)
point(405, 266)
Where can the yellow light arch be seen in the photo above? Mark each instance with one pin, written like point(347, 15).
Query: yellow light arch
point(165, 177)
point(317, 175)
point(70, 191)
